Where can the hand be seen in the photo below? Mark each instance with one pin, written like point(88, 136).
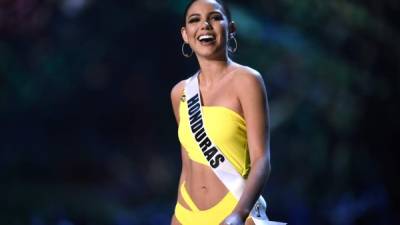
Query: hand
point(233, 219)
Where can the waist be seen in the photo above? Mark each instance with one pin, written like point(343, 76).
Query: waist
point(203, 185)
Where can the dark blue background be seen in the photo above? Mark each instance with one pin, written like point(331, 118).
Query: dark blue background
point(87, 133)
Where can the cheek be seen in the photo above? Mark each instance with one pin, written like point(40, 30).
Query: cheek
point(223, 35)
point(190, 31)
point(223, 29)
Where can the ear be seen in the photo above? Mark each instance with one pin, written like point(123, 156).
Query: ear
point(184, 34)
point(232, 28)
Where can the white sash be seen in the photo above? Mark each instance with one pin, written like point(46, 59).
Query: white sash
point(224, 170)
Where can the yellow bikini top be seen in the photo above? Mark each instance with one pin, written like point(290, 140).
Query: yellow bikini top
point(225, 127)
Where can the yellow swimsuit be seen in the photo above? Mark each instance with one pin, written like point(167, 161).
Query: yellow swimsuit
point(227, 129)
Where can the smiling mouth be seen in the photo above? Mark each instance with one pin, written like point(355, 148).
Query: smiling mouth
point(206, 38)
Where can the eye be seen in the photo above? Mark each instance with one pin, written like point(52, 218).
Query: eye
point(194, 20)
point(217, 17)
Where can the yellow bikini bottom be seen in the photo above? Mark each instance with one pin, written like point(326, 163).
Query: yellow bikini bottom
point(212, 216)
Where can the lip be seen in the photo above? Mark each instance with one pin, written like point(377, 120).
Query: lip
point(208, 34)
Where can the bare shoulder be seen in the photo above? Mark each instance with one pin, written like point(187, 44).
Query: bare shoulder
point(247, 78)
point(177, 91)
point(252, 96)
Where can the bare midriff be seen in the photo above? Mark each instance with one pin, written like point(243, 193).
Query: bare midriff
point(203, 186)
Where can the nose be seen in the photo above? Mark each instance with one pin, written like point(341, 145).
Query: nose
point(206, 25)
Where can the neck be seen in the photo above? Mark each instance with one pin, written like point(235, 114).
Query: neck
point(212, 71)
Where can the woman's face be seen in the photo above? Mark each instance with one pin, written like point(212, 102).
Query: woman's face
point(206, 29)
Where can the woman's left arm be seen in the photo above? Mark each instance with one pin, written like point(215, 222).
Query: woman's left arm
point(253, 99)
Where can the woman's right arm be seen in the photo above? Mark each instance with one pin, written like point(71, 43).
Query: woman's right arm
point(176, 93)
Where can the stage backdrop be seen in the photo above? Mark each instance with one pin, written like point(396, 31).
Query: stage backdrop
point(88, 137)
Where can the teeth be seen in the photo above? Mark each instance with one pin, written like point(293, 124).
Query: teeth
point(204, 37)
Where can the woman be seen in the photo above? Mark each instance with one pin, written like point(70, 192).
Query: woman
point(235, 115)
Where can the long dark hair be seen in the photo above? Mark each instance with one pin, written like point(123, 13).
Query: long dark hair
point(225, 9)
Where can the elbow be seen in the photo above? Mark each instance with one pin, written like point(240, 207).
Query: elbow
point(263, 166)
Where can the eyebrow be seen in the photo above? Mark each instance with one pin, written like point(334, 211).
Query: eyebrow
point(198, 14)
point(194, 14)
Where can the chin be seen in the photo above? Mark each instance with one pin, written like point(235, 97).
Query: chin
point(211, 54)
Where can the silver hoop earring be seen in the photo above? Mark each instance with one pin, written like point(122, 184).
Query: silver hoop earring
point(187, 55)
point(234, 48)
